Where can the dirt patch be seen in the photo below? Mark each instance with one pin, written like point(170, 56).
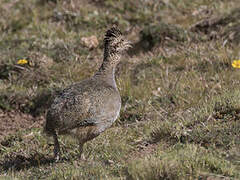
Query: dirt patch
point(162, 34)
point(226, 27)
point(13, 121)
point(143, 149)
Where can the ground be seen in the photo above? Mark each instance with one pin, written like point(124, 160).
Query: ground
point(16, 121)
point(180, 115)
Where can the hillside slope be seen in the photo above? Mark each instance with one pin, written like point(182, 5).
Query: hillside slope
point(180, 117)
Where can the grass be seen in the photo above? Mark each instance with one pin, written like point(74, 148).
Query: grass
point(183, 161)
point(180, 96)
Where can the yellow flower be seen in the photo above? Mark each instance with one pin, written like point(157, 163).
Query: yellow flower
point(22, 61)
point(236, 64)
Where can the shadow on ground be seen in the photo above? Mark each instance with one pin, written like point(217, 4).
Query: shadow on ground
point(19, 162)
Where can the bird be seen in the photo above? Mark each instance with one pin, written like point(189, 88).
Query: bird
point(87, 108)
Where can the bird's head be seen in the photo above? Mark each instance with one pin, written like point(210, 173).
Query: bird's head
point(114, 41)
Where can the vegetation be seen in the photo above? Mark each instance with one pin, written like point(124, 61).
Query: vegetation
point(180, 116)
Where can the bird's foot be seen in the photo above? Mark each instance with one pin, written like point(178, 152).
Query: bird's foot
point(57, 155)
point(82, 157)
point(57, 158)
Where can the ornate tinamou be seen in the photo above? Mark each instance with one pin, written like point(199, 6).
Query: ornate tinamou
point(88, 108)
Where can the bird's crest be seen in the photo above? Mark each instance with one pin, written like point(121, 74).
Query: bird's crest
point(113, 32)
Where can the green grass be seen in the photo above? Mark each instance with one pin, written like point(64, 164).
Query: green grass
point(180, 97)
point(182, 161)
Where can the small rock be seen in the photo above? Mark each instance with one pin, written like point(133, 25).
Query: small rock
point(90, 42)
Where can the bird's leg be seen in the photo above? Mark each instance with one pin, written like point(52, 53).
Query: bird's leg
point(81, 143)
point(56, 148)
point(81, 156)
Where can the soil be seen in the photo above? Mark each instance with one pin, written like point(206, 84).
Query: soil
point(11, 122)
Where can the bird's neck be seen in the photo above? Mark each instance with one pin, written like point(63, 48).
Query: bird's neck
point(107, 69)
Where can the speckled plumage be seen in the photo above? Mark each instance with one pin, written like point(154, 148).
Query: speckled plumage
point(88, 108)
